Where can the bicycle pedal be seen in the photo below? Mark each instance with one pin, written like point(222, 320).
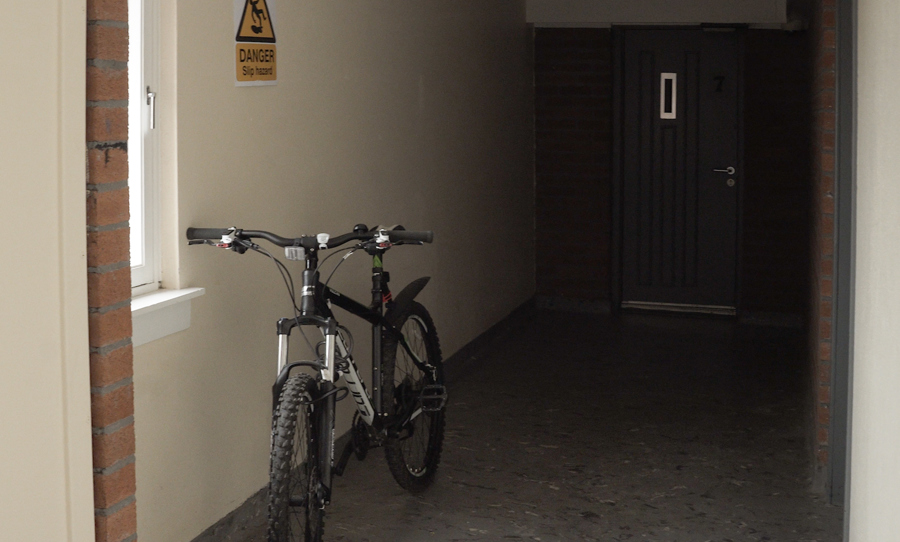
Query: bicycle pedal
point(433, 398)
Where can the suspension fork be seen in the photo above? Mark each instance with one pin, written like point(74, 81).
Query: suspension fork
point(324, 413)
point(324, 403)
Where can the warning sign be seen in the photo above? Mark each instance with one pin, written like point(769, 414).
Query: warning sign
point(254, 51)
point(255, 62)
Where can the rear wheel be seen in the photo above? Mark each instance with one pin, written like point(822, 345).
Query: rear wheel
point(413, 452)
point(295, 510)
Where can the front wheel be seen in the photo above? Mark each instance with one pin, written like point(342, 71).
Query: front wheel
point(413, 450)
point(296, 512)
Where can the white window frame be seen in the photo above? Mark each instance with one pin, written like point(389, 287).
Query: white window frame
point(155, 312)
point(143, 146)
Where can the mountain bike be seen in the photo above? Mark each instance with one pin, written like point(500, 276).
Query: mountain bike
point(404, 413)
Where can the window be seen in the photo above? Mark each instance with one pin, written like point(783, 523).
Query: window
point(143, 145)
point(155, 312)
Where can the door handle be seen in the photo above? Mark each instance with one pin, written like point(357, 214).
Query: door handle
point(729, 170)
point(151, 101)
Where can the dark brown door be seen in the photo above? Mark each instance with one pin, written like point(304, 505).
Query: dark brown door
point(680, 170)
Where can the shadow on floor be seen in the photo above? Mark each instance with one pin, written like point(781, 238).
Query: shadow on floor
point(579, 427)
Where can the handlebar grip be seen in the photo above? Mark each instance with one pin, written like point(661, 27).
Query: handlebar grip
point(206, 233)
point(403, 235)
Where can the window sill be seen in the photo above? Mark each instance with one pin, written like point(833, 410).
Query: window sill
point(161, 313)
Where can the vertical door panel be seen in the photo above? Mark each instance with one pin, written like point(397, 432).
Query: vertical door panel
point(679, 216)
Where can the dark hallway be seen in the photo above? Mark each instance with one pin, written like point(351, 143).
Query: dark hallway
point(578, 427)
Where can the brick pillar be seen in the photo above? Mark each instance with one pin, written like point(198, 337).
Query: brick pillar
point(823, 158)
point(109, 271)
point(573, 140)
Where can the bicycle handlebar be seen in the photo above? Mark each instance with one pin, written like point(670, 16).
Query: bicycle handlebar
point(306, 241)
point(206, 233)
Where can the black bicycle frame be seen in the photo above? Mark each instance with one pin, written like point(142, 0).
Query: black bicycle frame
point(315, 311)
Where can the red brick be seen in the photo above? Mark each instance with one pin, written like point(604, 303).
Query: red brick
point(823, 377)
point(118, 526)
point(824, 329)
point(824, 394)
point(827, 223)
point(826, 183)
point(826, 141)
point(107, 124)
point(828, 39)
point(109, 327)
point(105, 289)
point(110, 489)
point(826, 61)
point(825, 100)
point(825, 353)
point(825, 120)
point(107, 10)
point(107, 208)
point(107, 43)
point(823, 416)
point(826, 287)
point(828, 18)
point(824, 81)
point(826, 268)
point(826, 162)
point(108, 247)
point(112, 367)
point(827, 203)
point(822, 457)
point(826, 245)
point(113, 447)
point(822, 436)
point(109, 165)
point(113, 406)
point(825, 308)
point(106, 84)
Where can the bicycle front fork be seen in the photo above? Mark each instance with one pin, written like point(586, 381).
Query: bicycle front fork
point(324, 403)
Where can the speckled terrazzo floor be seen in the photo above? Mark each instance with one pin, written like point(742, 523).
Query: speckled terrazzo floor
point(578, 427)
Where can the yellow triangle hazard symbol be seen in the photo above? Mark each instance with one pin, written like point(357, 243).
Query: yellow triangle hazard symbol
point(256, 23)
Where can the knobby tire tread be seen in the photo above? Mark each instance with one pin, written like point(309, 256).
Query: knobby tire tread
point(299, 391)
point(394, 446)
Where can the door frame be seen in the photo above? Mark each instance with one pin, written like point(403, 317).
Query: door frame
point(618, 181)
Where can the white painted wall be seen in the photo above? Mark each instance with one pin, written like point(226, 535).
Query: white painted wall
point(593, 12)
point(46, 488)
point(875, 429)
point(384, 112)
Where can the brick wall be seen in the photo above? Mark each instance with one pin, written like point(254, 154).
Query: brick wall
point(573, 125)
point(109, 272)
point(822, 36)
point(775, 263)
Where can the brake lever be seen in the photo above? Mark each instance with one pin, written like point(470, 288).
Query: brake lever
point(209, 242)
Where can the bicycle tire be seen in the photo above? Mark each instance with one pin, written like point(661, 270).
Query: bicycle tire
point(293, 471)
point(414, 453)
